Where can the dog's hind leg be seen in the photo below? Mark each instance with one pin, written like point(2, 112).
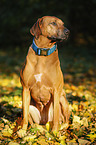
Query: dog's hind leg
point(34, 115)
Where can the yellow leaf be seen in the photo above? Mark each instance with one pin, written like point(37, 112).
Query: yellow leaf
point(7, 132)
point(18, 84)
point(76, 119)
point(6, 127)
point(81, 87)
point(70, 107)
point(49, 125)
point(14, 75)
point(80, 93)
point(73, 140)
point(29, 138)
point(50, 142)
point(5, 82)
point(49, 136)
point(21, 133)
point(62, 142)
point(34, 143)
point(13, 125)
point(5, 120)
point(40, 128)
point(86, 103)
point(62, 137)
point(16, 98)
point(87, 114)
point(87, 94)
point(56, 143)
point(73, 87)
point(92, 108)
point(92, 137)
point(13, 143)
point(75, 107)
point(74, 93)
point(64, 126)
point(84, 122)
point(2, 125)
point(68, 91)
point(42, 141)
point(56, 133)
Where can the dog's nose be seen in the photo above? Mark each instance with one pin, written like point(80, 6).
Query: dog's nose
point(66, 31)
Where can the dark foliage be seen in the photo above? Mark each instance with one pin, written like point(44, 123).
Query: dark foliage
point(17, 17)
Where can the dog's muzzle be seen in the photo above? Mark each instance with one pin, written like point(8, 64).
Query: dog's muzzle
point(66, 33)
point(62, 34)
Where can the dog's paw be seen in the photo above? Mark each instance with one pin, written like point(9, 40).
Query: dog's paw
point(21, 133)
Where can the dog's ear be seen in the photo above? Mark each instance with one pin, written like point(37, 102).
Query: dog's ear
point(36, 28)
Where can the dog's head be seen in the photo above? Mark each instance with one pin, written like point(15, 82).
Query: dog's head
point(50, 27)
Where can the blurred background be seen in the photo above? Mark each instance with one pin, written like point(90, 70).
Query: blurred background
point(18, 16)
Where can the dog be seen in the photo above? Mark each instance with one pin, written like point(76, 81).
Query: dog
point(43, 96)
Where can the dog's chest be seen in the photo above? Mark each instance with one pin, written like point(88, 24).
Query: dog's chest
point(41, 83)
point(38, 77)
point(41, 88)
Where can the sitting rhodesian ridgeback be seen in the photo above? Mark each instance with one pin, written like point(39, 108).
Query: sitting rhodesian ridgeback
point(41, 77)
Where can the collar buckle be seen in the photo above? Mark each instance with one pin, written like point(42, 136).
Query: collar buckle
point(43, 51)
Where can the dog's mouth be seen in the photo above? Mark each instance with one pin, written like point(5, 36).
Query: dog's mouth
point(54, 39)
point(61, 35)
point(59, 38)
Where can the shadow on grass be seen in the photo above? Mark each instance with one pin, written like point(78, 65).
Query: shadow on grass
point(9, 112)
point(71, 99)
point(9, 108)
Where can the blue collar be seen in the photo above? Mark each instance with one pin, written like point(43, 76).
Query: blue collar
point(43, 51)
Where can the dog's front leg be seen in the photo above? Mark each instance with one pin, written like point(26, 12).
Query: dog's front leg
point(65, 107)
point(25, 106)
point(56, 112)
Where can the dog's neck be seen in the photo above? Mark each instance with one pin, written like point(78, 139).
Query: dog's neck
point(43, 42)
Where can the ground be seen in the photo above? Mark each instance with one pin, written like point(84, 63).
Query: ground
point(79, 70)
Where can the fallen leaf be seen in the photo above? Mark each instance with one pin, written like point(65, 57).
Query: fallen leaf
point(49, 136)
point(75, 107)
point(13, 143)
point(62, 137)
point(84, 122)
point(7, 132)
point(74, 87)
point(64, 126)
point(76, 119)
point(29, 138)
point(49, 126)
point(5, 120)
point(21, 133)
point(84, 142)
point(40, 128)
point(92, 137)
point(42, 142)
point(74, 93)
point(62, 142)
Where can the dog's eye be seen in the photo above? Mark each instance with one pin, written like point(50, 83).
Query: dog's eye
point(53, 23)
